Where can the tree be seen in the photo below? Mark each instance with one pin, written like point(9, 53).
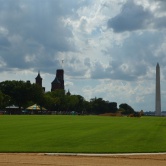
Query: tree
point(113, 107)
point(1, 99)
point(55, 100)
point(71, 103)
point(21, 92)
point(4, 100)
point(49, 102)
point(36, 94)
point(100, 106)
point(127, 109)
point(79, 104)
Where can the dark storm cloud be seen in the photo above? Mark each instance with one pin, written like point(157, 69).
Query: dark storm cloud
point(160, 23)
point(161, 5)
point(87, 62)
point(133, 58)
point(135, 17)
point(132, 17)
point(4, 42)
point(98, 71)
point(119, 71)
point(35, 29)
point(159, 19)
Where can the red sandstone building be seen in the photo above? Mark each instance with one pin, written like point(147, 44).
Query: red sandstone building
point(39, 79)
point(58, 82)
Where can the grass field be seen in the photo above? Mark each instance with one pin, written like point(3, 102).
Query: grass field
point(86, 134)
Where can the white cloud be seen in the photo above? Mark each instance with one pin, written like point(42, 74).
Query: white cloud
point(110, 48)
point(3, 31)
point(30, 58)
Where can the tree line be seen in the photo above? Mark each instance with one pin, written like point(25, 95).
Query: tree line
point(24, 94)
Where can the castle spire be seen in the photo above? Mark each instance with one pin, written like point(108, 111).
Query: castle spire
point(39, 79)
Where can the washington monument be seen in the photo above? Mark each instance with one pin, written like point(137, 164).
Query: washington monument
point(158, 93)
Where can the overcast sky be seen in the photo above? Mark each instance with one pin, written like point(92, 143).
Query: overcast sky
point(110, 48)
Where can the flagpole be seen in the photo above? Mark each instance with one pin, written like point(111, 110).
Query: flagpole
point(62, 64)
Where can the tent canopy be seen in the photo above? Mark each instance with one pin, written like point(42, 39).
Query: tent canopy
point(36, 107)
point(12, 107)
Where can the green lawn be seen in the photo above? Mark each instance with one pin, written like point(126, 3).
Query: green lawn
point(86, 134)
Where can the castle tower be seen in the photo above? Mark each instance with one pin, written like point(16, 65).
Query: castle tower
point(39, 79)
point(58, 82)
point(158, 93)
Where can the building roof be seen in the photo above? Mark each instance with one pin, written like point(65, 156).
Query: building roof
point(12, 107)
point(38, 76)
point(56, 81)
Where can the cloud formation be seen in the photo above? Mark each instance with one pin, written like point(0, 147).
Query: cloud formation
point(132, 17)
point(34, 32)
point(136, 16)
point(110, 48)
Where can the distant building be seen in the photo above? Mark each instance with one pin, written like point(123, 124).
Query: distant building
point(39, 81)
point(68, 93)
point(58, 82)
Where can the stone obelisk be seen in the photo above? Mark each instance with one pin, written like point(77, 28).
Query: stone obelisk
point(158, 93)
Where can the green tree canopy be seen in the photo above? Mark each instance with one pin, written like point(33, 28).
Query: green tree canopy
point(21, 92)
point(127, 109)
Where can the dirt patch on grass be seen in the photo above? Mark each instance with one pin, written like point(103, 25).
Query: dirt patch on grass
point(36, 159)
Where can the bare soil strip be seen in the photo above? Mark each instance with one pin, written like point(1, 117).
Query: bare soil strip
point(36, 159)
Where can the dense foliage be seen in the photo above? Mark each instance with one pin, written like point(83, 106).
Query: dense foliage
point(24, 94)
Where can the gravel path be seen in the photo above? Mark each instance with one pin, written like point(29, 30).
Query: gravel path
point(37, 159)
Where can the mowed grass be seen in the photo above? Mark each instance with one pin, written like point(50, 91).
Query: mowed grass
point(82, 134)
